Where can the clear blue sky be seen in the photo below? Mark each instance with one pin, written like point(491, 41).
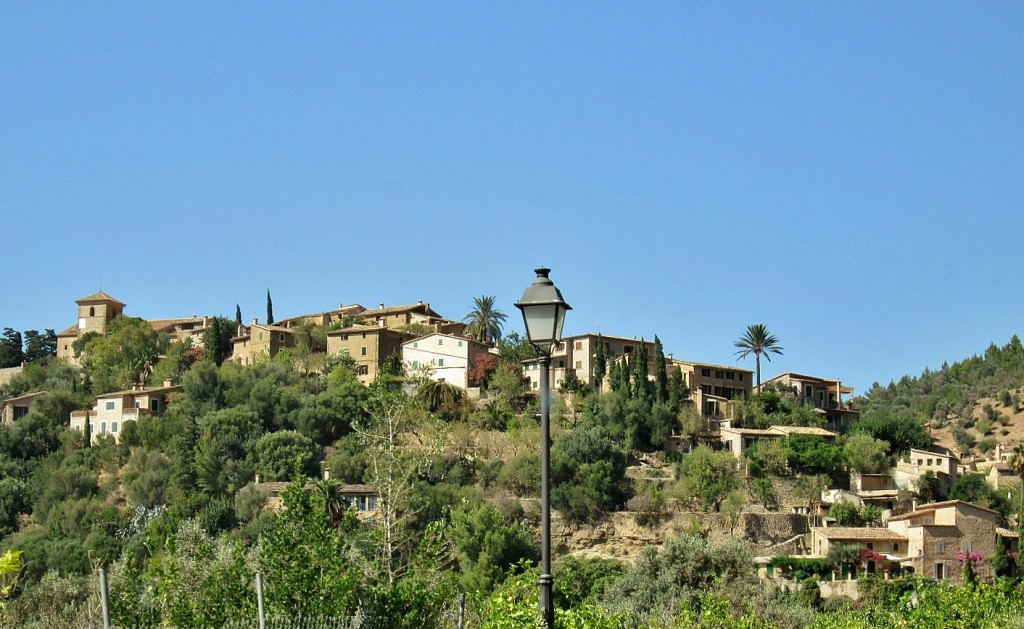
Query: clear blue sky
point(849, 174)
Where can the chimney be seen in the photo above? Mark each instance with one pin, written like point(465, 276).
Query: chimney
point(382, 305)
point(419, 302)
point(168, 383)
point(327, 474)
point(255, 320)
point(257, 479)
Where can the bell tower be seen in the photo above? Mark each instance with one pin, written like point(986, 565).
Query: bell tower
point(96, 311)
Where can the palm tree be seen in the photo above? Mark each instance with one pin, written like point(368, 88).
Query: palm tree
point(483, 321)
point(758, 341)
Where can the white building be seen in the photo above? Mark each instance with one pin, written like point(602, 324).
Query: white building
point(444, 357)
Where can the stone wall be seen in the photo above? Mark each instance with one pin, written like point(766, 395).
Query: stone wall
point(9, 372)
point(621, 536)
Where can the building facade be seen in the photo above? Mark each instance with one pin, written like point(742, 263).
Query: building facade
point(110, 411)
point(444, 357)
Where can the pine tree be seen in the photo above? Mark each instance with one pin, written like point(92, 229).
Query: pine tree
point(11, 353)
point(270, 309)
point(660, 371)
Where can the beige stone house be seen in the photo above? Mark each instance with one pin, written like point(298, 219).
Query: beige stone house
point(943, 463)
point(13, 409)
point(444, 357)
point(939, 534)
point(369, 346)
point(824, 393)
point(738, 440)
point(891, 544)
point(575, 356)
point(419, 314)
point(259, 340)
point(110, 411)
point(364, 499)
point(713, 386)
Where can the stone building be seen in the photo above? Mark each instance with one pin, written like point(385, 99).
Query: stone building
point(370, 346)
point(110, 411)
point(13, 409)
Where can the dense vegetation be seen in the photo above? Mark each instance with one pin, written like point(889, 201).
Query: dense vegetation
point(174, 511)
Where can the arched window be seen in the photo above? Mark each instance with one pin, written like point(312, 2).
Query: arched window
point(92, 311)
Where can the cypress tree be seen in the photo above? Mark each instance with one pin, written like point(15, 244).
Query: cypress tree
point(643, 385)
point(238, 316)
point(600, 362)
point(660, 371)
point(270, 309)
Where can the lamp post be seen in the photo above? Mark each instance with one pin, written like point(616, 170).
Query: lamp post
point(543, 314)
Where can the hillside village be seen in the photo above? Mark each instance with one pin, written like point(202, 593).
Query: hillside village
point(787, 464)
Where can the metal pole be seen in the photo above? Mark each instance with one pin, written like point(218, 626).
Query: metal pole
point(104, 598)
point(259, 601)
point(547, 607)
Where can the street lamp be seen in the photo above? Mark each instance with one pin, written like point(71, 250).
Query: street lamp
point(543, 314)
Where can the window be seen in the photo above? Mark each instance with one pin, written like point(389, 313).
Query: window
point(939, 572)
point(113, 426)
point(109, 406)
point(154, 405)
point(561, 347)
point(578, 345)
point(363, 370)
point(103, 428)
point(440, 362)
point(440, 341)
point(261, 336)
point(940, 547)
point(965, 546)
point(561, 364)
point(729, 375)
point(138, 404)
point(344, 337)
point(706, 373)
point(871, 545)
point(740, 376)
point(362, 351)
point(92, 311)
point(718, 374)
point(415, 344)
point(808, 391)
point(579, 364)
point(895, 547)
point(460, 343)
point(281, 337)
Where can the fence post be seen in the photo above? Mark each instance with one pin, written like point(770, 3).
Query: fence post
point(259, 601)
point(462, 609)
point(104, 598)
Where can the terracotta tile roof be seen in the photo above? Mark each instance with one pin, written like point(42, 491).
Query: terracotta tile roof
point(21, 398)
point(142, 391)
point(1001, 532)
point(928, 508)
point(71, 331)
point(763, 432)
point(98, 297)
point(858, 533)
point(803, 430)
point(712, 365)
